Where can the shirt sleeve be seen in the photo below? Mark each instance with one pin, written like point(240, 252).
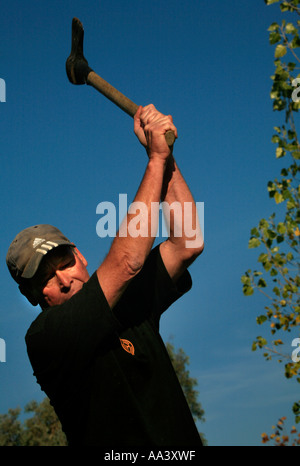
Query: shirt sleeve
point(151, 292)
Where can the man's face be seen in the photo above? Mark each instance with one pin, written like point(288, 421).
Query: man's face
point(61, 274)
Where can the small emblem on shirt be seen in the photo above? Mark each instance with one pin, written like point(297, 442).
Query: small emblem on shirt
point(127, 346)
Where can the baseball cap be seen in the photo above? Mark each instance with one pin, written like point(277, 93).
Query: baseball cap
point(30, 246)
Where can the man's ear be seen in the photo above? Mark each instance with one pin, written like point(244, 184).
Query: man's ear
point(81, 257)
point(31, 298)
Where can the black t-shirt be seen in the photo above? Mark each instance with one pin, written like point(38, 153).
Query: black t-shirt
point(107, 373)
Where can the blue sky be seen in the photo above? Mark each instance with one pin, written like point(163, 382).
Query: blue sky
point(64, 149)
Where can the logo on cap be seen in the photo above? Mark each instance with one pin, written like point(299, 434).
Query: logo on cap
point(44, 248)
point(37, 241)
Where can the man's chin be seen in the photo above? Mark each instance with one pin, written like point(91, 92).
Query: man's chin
point(70, 294)
point(64, 298)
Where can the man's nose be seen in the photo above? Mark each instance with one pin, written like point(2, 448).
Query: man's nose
point(64, 278)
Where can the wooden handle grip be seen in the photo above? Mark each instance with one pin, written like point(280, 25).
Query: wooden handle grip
point(115, 96)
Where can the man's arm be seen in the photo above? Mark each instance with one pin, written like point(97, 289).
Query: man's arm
point(127, 254)
point(185, 242)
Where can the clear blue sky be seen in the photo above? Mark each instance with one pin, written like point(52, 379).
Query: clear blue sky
point(64, 149)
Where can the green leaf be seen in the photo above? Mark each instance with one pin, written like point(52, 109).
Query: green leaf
point(261, 341)
point(280, 51)
point(280, 239)
point(290, 29)
point(278, 198)
point(261, 283)
point(245, 280)
point(254, 232)
point(275, 139)
point(295, 42)
point(273, 27)
point(267, 266)
point(274, 37)
point(296, 154)
point(279, 152)
point(253, 243)
point(285, 7)
point(261, 319)
point(281, 228)
point(263, 257)
point(248, 290)
point(271, 234)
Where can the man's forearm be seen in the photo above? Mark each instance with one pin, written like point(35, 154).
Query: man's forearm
point(180, 209)
point(136, 234)
point(129, 251)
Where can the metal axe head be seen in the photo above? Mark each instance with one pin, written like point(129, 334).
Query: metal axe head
point(77, 67)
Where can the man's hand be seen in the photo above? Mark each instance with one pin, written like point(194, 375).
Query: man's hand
point(150, 127)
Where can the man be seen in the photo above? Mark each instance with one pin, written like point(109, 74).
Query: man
point(95, 348)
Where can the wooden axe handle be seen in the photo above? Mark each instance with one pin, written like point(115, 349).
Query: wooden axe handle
point(93, 79)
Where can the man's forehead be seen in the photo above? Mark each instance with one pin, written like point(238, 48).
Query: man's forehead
point(54, 257)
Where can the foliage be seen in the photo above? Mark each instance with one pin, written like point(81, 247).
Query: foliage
point(11, 429)
point(180, 362)
point(279, 278)
point(280, 438)
point(43, 428)
point(188, 384)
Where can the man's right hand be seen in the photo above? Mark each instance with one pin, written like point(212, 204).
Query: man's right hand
point(150, 127)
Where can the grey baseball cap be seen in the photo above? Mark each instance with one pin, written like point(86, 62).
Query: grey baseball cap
point(30, 246)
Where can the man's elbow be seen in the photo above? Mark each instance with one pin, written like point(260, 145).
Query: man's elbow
point(132, 265)
point(192, 250)
point(192, 243)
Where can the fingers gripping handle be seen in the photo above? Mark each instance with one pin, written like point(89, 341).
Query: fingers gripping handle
point(115, 96)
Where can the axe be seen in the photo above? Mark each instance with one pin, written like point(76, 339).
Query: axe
point(79, 72)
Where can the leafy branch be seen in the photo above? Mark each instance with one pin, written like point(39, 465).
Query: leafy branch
point(278, 277)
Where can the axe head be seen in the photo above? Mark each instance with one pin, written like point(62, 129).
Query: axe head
point(77, 67)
